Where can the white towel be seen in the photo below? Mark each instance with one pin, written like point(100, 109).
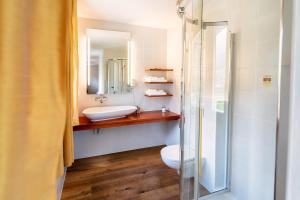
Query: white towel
point(155, 79)
point(153, 92)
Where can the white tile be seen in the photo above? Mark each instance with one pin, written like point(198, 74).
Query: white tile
point(244, 79)
point(268, 54)
point(244, 103)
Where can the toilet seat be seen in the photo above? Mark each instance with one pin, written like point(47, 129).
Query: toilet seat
point(171, 156)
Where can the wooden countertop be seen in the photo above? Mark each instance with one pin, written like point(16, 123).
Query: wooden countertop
point(142, 118)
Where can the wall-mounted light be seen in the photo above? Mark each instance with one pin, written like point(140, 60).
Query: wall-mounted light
point(129, 63)
point(88, 61)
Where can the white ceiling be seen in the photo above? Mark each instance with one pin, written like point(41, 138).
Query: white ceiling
point(151, 13)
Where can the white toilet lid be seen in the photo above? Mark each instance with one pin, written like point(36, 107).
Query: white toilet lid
point(172, 153)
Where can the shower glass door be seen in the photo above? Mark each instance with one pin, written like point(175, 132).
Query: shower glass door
point(205, 104)
point(190, 127)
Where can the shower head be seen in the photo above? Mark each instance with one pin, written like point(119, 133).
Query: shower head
point(180, 5)
point(180, 11)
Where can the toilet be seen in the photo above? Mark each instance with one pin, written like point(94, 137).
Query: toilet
point(170, 155)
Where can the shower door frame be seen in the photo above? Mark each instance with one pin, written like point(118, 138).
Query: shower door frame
point(186, 20)
point(283, 28)
point(230, 103)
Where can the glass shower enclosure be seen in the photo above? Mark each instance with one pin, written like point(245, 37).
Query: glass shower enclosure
point(206, 86)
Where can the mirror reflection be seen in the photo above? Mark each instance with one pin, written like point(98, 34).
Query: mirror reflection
point(108, 67)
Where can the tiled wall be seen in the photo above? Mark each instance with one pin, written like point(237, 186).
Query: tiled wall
point(257, 31)
point(256, 28)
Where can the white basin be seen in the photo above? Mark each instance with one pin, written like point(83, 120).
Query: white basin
point(108, 112)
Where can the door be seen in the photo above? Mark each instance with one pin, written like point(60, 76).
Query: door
point(205, 105)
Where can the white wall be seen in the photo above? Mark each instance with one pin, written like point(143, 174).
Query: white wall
point(293, 181)
point(148, 48)
point(255, 106)
point(174, 61)
point(111, 140)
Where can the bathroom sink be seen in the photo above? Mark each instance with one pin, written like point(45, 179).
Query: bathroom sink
point(108, 112)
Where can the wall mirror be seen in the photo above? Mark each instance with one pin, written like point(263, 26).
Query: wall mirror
point(108, 64)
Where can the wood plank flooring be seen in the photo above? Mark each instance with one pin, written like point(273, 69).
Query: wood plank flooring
point(138, 174)
point(132, 175)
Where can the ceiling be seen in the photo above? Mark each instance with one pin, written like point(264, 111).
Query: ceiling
point(150, 13)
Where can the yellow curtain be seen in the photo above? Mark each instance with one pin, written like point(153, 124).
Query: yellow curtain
point(72, 88)
point(38, 69)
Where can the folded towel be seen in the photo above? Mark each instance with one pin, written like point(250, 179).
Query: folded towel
point(153, 92)
point(155, 79)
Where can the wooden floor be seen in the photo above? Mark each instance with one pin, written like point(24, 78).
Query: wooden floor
point(130, 175)
point(133, 175)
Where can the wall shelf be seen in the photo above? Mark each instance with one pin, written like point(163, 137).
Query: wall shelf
point(168, 82)
point(134, 119)
point(159, 70)
point(153, 96)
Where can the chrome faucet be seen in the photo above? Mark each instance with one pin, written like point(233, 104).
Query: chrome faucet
point(101, 98)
